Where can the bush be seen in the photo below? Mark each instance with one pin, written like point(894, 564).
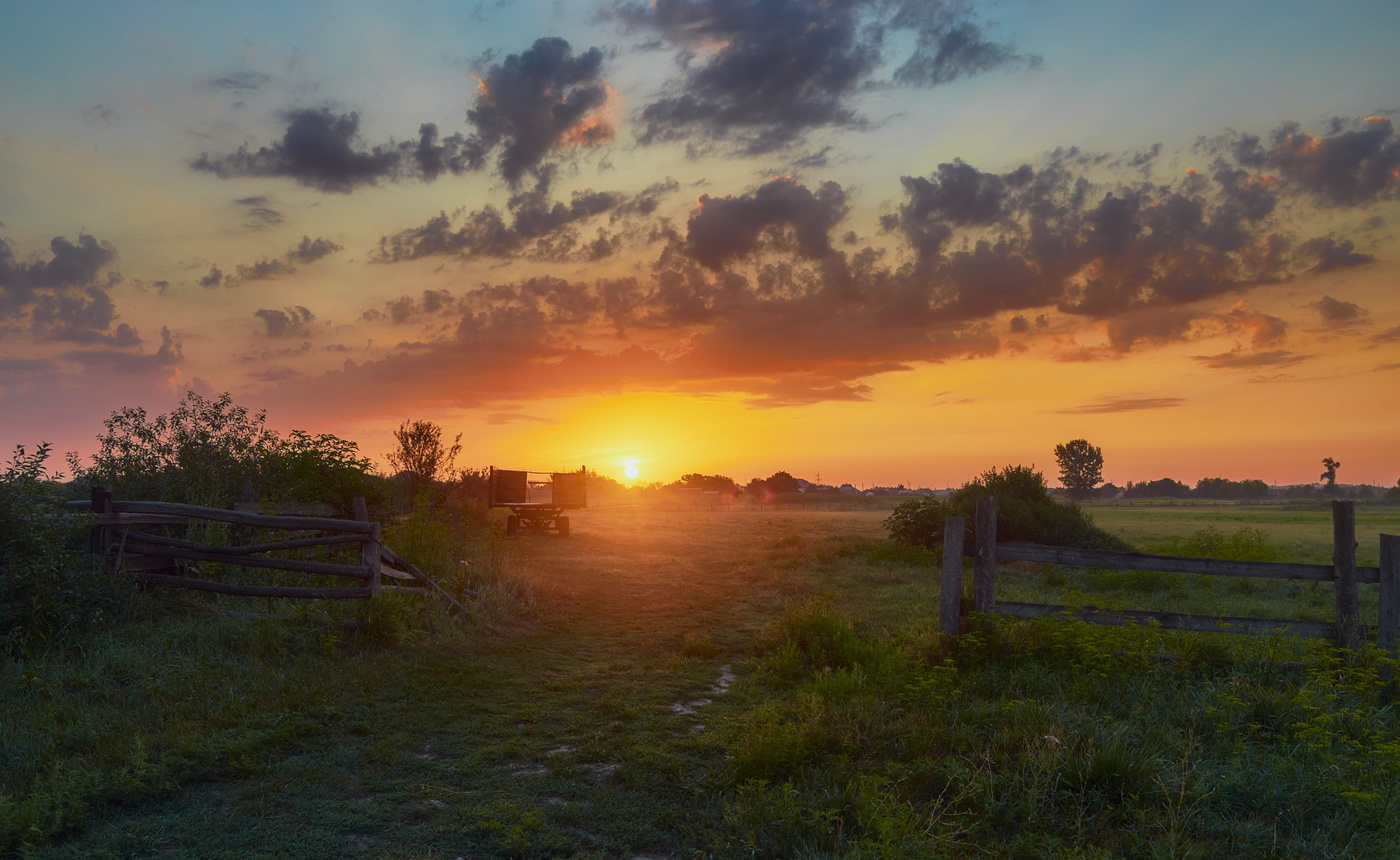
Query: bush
point(45, 587)
point(1025, 512)
point(204, 451)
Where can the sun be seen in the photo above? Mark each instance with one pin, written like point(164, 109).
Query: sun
point(631, 473)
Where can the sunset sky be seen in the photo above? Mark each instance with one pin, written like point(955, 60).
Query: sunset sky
point(890, 242)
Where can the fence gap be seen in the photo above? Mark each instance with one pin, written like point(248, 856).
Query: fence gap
point(1344, 571)
point(984, 565)
point(950, 592)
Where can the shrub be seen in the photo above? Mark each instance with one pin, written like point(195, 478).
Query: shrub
point(1025, 511)
point(45, 588)
point(204, 451)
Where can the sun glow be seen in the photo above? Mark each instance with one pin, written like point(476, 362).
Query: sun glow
point(631, 472)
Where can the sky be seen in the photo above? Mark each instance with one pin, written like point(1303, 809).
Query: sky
point(883, 241)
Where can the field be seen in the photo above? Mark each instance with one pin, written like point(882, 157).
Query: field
point(718, 684)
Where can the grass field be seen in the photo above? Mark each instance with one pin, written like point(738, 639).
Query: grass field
point(593, 714)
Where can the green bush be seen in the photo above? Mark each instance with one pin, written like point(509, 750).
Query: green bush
point(1025, 512)
point(204, 451)
point(46, 589)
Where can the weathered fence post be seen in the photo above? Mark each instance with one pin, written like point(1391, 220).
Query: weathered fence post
point(1390, 592)
point(984, 565)
point(1344, 573)
point(97, 536)
point(371, 550)
point(950, 591)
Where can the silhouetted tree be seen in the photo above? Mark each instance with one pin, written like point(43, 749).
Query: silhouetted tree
point(1329, 473)
point(782, 482)
point(421, 452)
point(1081, 467)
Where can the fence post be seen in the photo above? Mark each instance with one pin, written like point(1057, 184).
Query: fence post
point(950, 591)
point(984, 565)
point(1344, 574)
point(97, 536)
point(1390, 592)
point(370, 549)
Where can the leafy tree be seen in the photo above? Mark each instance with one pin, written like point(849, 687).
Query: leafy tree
point(1224, 488)
point(1162, 488)
point(1329, 471)
point(1081, 467)
point(420, 450)
point(782, 482)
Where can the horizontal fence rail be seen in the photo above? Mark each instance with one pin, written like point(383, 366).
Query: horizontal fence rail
point(1075, 557)
point(151, 558)
point(1343, 573)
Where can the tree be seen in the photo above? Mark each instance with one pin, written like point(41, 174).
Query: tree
point(1329, 473)
point(421, 452)
point(782, 482)
point(1081, 467)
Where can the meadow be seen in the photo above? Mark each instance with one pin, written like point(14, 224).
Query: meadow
point(717, 683)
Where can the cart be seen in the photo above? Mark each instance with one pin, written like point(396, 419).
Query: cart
point(538, 500)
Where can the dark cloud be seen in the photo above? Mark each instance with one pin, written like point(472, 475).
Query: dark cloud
point(1263, 329)
point(761, 74)
point(307, 251)
point(310, 250)
point(70, 266)
point(241, 83)
point(318, 150)
point(1337, 312)
point(728, 227)
point(538, 100)
point(1019, 325)
point(288, 322)
point(259, 214)
point(1249, 360)
point(405, 309)
point(1331, 254)
point(1390, 335)
point(167, 356)
point(66, 298)
point(1107, 405)
point(538, 226)
point(1354, 163)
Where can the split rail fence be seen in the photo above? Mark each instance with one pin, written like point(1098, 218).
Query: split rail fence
point(1344, 574)
point(155, 559)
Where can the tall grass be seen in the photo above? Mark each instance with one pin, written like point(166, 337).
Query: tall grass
point(1052, 738)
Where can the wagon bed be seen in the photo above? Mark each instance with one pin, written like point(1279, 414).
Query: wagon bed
point(538, 499)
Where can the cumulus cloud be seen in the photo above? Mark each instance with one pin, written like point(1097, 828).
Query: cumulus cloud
point(307, 251)
point(319, 150)
point(288, 322)
point(534, 225)
point(760, 75)
point(65, 298)
point(169, 355)
point(528, 106)
point(404, 309)
point(1337, 312)
point(728, 227)
point(539, 100)
point(1331, 254)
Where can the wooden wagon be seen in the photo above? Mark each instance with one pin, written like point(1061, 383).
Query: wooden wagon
point(538, 500)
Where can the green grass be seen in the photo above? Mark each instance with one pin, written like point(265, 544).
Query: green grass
point(545, 726)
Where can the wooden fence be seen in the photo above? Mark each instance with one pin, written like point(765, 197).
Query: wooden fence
point(1344, 574)
point(155, 559)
